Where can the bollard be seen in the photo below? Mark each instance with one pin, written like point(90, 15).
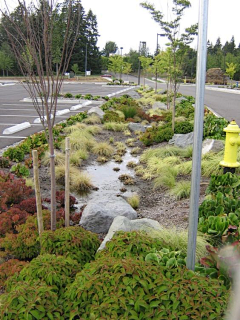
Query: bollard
point(231, 145)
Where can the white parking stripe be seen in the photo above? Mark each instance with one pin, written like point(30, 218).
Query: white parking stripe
point(13, 137)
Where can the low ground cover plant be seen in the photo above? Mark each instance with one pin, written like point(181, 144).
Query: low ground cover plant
point(134, 289)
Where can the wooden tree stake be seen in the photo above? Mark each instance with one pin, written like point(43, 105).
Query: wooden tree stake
point(67, 182)
point(37, 192)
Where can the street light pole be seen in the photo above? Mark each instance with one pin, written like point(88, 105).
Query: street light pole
point(143, 44)
point(162, 35)
point(121, 64)
point(86, 60)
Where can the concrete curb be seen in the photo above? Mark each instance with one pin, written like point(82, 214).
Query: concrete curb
point(38, 120)
point(61, 112)
point(17, 127)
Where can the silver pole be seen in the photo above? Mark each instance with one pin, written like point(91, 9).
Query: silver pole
point(198, 132)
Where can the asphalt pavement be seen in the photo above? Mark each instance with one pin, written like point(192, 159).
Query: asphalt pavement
point(16, 107)
point(17, 110)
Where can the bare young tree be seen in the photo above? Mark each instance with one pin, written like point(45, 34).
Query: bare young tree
point(32, 43)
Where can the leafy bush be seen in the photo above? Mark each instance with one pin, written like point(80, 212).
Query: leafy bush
point(88, 96)
point(183, 127)
point(213, 127)
point(157, 134)
point(61, 271)
point(133, 289)
point(28, 205)
point(10, 219)
point(10, 268)
point(12, 190)
point(20, 170)
point(32, 301)
point(130, 244)
point(219, 213)
point(73, 242)
point(68, 95)
point(112, 116)
point(76, 118)
point(4, 162)
point(167, 258)
point(185, 109)
point(78, 96)
point(15, 154)
point(25, 245)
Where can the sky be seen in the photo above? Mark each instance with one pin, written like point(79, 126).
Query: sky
point(126, 23)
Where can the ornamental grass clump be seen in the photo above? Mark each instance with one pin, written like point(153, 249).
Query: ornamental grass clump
point(134, 201)
point(103, 149)
point(74, 242)
point(181, 189)
point(80, 182)
point(134, 289)
point(92, 119)
point(114, 126)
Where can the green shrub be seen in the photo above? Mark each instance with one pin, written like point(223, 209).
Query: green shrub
point(112, 116)
point(68, 95)
point(185, 109)
point(30, 301)
point(57, 271)
point(78, 96)
point(88, 96)
point(183, 127)
point(133, 289)
point(15, 154)
point(25, 245)
point(213, 127)
point(163, 134)
point(130, 244)
point(74, 242)
point(10, 268)
point(20, 170)
point(4, 162)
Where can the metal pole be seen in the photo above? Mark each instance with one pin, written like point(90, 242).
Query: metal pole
point(198, 133)
point(86, 61)
point(139, 64)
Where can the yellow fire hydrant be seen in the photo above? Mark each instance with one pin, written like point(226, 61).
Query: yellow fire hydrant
point(231, 146)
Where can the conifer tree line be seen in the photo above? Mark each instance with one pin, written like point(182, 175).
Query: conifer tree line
point(86, 40)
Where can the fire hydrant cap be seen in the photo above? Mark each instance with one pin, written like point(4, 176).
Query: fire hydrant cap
point(232, 127)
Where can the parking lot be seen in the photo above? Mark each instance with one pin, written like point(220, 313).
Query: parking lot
point(16, 108)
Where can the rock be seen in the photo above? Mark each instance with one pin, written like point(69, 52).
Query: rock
point(99, 213)
point(136, 127)
point(159, 105)
point(96, 110)
point(212, 145)
point(182, 140)
point(121, 223)
point(180, 99)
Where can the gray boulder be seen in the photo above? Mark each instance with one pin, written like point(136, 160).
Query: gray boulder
point(136, 127)
point(159, 105)
point(99, 213)
point(121, 223)
point(96, 110)
point(182, 140)
point(180, 99)
point(212, 145)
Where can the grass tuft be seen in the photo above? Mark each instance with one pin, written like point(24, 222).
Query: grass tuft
point(103, 149)
point(181, 190)
point(134, 201)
